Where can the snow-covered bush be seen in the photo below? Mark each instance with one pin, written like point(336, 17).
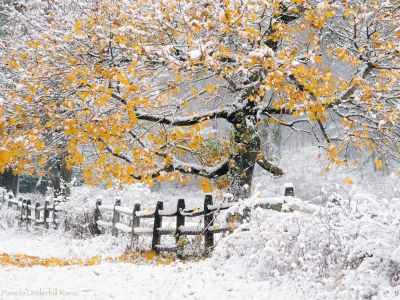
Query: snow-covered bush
point(350, 248)
point(8, 217)
point(77, 216)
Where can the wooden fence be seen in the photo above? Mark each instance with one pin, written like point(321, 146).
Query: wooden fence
point(208, 229)
point(36, 214)
point(40, 215)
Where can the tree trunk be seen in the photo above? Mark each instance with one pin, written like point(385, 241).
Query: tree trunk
point(60, 178)
point(248, 153)
point(42, 186)
point(247, 147)
point(242, 174)
point(10, 181)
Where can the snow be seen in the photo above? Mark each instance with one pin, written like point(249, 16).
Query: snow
point(124, 210)
point(195, 54)
point(219, 205)
point(202, 280)
point(271, 200)
point(144, 213)
point(187, 229)
point(104, 224)
point(123, 227)
point(261, 52)
point(322, 6)
point(167, 212)
point(228, 195)
point(104, 208)
point(143, 230)
point(200, 210)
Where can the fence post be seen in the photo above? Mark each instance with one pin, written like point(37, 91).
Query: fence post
point(289, 191)
point(37, 213)
point(21, 219)
point(208, 221)
point(46, 214)
point(28, 213)
point(157, 224)
point(180, 219)
point(97, 216)
point(116, 217)
point(54, 214)
point(18, 200)
point(135, 219)
point(9, 203)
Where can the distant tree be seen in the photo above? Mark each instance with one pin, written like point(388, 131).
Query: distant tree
point(132, 86)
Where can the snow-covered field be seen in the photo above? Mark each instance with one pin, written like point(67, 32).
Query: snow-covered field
point(202, 280)
point(269, 261)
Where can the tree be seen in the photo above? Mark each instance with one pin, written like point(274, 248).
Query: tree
point(133, 86)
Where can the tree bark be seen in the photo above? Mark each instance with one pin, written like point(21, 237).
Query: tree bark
point(242, 173)
point(247, 147)
point(60, 178)
point(10, 181)
point(249, 152)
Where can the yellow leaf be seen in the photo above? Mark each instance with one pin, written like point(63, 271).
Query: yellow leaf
point(347, 180)
point(210, 89)
point(379, 164)
point(85, 95)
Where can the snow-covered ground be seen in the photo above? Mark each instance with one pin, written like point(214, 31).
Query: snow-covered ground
point(201, 280)
point(241, 268)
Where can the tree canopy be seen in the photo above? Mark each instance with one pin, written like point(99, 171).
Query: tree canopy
point(127, 89)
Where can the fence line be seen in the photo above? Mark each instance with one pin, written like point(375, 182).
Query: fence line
point(208, 229)
point(180, 213)
point(41, 213)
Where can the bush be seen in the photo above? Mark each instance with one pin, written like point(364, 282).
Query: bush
point(350, 248)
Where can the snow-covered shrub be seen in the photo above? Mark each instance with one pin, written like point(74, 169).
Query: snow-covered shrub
point(350, 248)
point(77, 216)
point(8, 217)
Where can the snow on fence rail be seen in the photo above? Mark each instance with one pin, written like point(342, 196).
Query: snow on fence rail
point(41, 214)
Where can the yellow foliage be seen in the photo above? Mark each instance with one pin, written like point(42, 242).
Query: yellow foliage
point(347, 180)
